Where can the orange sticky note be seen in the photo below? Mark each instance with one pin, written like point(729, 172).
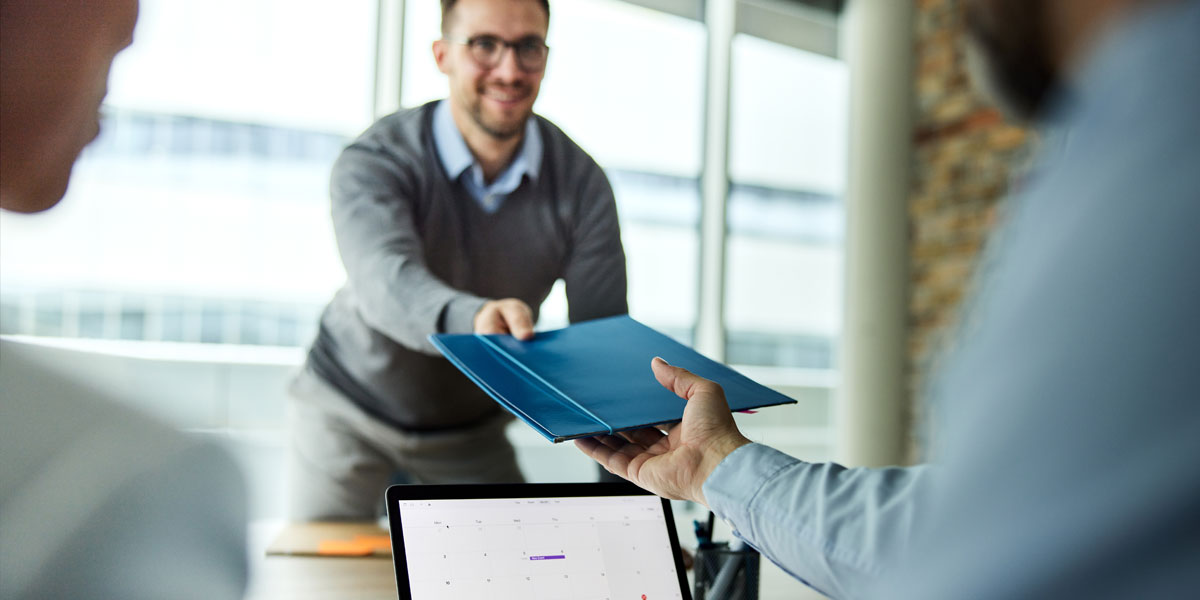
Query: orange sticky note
point(376, 542)
point(361, 545)
point(344, 548)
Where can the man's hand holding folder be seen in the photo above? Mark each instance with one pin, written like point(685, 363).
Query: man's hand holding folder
point(675, 464)
point(509, 315)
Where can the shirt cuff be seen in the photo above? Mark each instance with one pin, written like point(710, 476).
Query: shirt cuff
point(735, 483)
point(458, 316)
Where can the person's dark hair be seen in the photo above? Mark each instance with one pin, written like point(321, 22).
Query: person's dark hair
point(1012, 42)
point(448, 5)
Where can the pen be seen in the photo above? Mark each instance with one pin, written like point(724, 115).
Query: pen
point(703, 534)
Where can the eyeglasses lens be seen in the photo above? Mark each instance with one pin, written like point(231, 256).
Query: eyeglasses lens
point(488, 52)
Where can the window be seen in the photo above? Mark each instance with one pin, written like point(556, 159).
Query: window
point(788, 120)
point(201, 212)
point(787, 165)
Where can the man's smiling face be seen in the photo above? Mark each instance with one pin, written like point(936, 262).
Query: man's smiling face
point(500, 99)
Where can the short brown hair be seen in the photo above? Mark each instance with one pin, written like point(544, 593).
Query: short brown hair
point(448, 5)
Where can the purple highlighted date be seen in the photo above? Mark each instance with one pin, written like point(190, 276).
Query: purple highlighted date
point(548, 557)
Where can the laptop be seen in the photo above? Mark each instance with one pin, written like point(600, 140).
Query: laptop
point(585, 541)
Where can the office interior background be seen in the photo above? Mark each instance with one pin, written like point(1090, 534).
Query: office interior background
point(186, 268)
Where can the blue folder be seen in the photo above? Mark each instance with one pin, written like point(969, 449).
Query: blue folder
point(591, 378)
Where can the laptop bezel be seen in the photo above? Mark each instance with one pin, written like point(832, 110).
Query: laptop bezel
point(397, 493)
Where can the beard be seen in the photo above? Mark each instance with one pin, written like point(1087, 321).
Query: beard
point(498, 128)
point(1008, 55)
point(500, 131)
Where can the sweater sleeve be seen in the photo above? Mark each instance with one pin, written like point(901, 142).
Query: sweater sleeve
point(595, 269)
point(835, 529)
point(373, 220)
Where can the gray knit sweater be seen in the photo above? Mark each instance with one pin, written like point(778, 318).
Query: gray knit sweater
point(422, 257)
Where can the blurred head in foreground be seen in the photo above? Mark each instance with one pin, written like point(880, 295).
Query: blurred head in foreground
point(1021, 51)
point(54, 61)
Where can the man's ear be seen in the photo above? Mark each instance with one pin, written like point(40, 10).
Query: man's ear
point(440, 48)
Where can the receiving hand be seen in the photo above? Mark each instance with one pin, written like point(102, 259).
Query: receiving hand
point(673, 465)
point(508, 315)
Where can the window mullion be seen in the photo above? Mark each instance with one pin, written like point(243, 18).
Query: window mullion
point(710, 326)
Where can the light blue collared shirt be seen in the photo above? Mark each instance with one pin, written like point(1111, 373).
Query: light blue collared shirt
point(1068, 446)
point(460, 164)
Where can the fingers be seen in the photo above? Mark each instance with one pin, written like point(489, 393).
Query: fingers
point(517, 317)
point(617, 452)
point(487, 320)
point(508, 315)
point(615, 462)
point(590, 447)
point(621, 445)
point(645, 437)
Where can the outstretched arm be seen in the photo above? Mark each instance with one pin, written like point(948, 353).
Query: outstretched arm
point(373, 219)
point(833, 528)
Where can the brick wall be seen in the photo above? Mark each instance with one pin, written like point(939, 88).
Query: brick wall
point(964, 153)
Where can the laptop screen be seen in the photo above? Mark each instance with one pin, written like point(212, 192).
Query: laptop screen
point(536, 545)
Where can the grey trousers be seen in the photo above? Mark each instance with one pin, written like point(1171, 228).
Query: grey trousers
point(341, 459)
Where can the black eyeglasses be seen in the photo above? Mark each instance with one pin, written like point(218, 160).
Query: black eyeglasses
point(488, 51)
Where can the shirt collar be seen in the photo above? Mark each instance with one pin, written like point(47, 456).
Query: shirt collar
point(456, 157)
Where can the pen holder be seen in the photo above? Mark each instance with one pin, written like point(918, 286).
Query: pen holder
point(723, 573)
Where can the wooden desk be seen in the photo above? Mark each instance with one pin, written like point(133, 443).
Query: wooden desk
point(296, 577)
point(311, 578)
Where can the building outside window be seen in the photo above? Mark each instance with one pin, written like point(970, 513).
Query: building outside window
point(200, 214)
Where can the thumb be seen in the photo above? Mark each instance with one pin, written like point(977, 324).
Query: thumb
point(684, 383)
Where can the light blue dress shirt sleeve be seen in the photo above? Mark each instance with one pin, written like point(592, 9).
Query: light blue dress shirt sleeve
point(828, 526)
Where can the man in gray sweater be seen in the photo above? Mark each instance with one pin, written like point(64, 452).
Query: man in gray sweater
point(453, 217)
